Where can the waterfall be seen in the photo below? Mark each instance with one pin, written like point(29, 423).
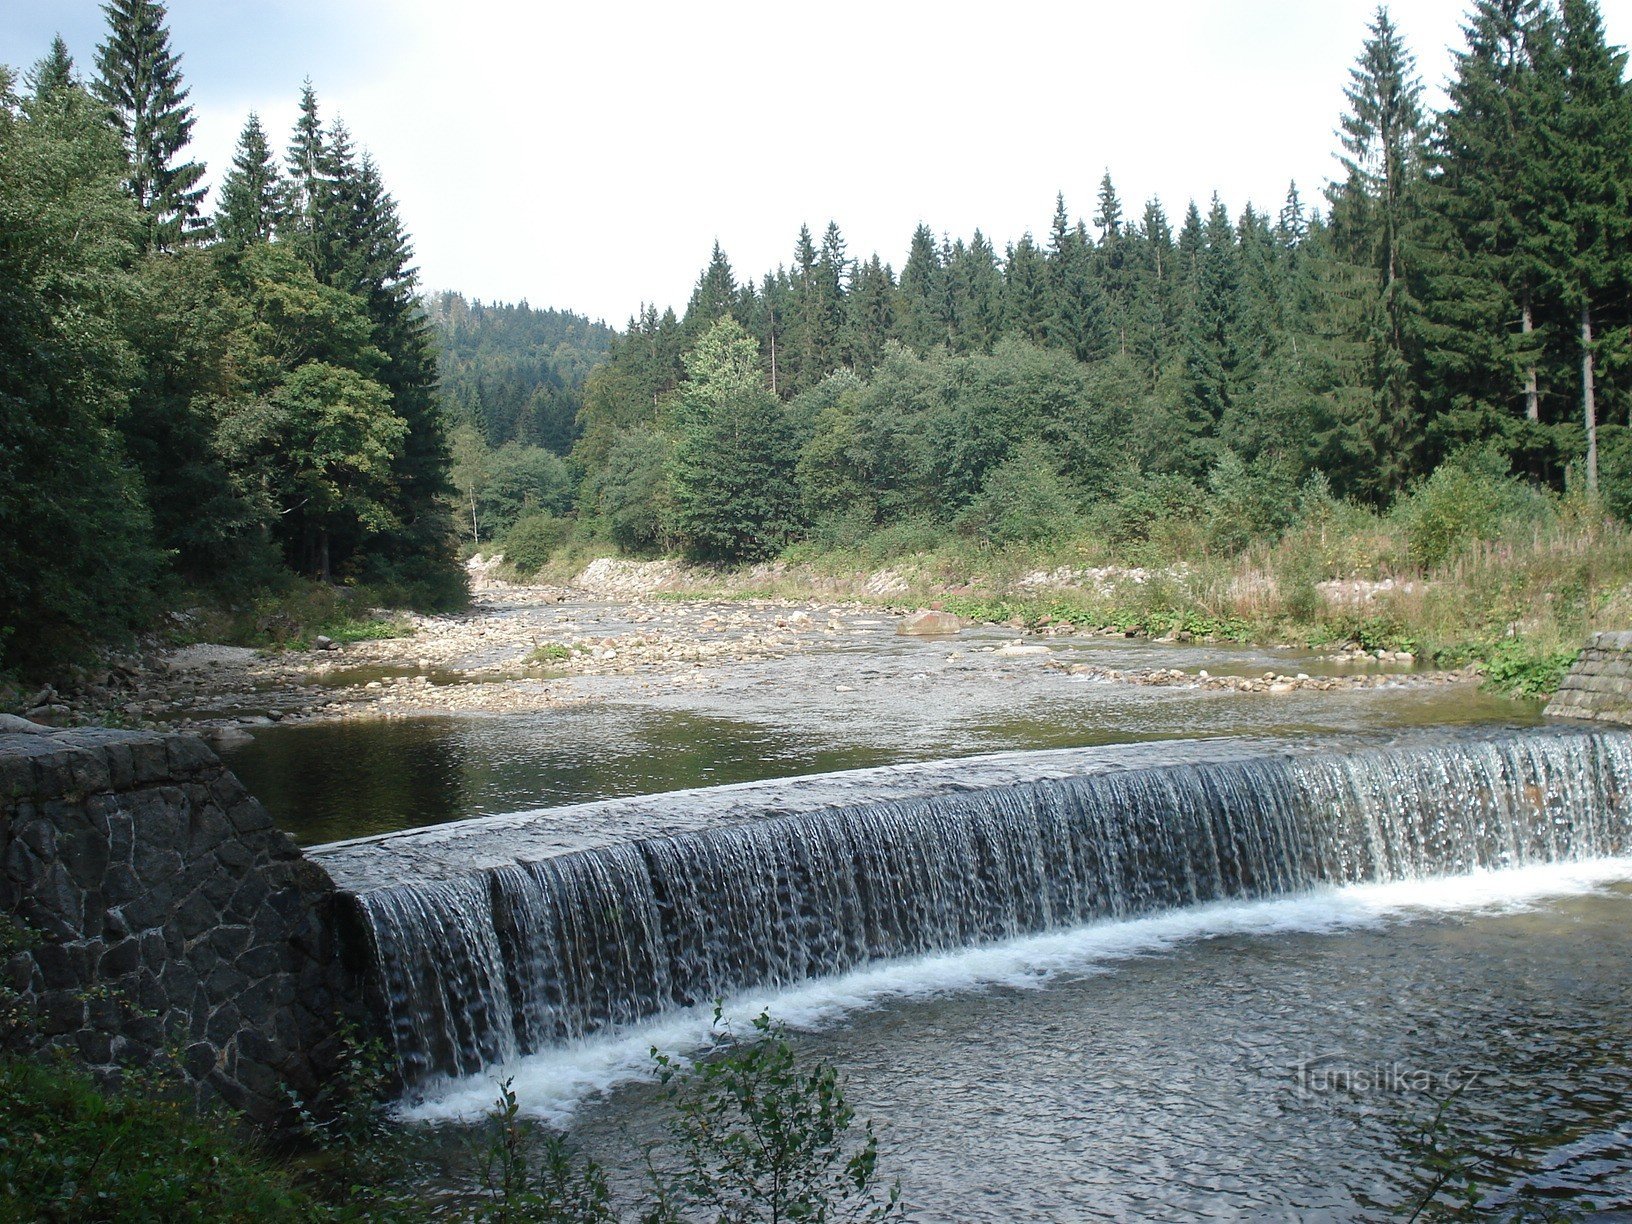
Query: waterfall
point(501, 960)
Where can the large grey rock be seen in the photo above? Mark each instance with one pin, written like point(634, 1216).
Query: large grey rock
point(929, 624)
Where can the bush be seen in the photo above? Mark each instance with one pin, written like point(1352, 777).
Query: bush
point(70, 1152)
point(533, 540)
point(1467, 499)
point(1023, 501)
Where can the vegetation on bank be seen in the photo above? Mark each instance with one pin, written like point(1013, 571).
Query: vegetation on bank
point(1425, 382)
point(756, 1134)
point(192, 401)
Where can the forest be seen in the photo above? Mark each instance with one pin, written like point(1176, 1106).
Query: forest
point(1462, 296)
point(1434, 354)
point(199, 402)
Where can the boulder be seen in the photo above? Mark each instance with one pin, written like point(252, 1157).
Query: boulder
point(929, 623)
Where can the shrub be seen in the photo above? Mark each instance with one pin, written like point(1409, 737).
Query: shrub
point(1467, 499)
point(532, 540)
point(1023, 501)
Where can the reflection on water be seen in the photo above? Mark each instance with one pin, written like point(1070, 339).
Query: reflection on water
point(329, 781)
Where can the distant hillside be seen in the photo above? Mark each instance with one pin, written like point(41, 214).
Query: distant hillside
point(514, 372)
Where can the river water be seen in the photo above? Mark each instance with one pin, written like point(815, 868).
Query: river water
point(1266, 1059)
point(876, 699)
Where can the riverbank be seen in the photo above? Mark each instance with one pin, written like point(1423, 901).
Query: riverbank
point(632, 632)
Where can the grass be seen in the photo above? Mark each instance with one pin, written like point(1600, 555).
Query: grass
point(291, 616)
point(1515, 594)
point(71, 1152)
point(550, 652)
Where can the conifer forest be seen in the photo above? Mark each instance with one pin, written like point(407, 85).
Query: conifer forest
point(213, 392)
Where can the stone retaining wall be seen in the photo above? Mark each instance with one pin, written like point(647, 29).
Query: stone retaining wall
point(1599, 686)
point(161, 910)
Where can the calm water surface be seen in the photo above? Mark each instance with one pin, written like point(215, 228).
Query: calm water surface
point(880, 701)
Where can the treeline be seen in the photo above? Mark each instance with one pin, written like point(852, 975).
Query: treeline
point(512, 373)
point(198, 400)
point(1468, 287)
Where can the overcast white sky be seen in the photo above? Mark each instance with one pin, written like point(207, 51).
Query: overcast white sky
point(587, 155)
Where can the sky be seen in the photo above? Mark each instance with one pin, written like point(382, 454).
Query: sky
point(588, 156)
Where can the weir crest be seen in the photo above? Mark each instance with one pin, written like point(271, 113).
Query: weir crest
point(496, 938)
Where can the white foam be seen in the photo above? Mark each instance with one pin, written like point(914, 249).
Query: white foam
point(550, 1085)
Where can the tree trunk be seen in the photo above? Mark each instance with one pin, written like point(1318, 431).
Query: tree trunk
point(1589, 400)
point(323, 553)
point(1532, 397)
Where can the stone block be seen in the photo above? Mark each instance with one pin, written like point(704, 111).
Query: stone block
point(189, 755)
point(149, 761)
point(121, 959)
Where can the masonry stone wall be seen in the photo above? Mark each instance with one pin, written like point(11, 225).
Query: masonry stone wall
point(1599, 686)
point(160, 910)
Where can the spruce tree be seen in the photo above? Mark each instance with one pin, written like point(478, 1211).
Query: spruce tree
point(53, 73)
point(1376, 226)
point(715, 295)
point(1488, 197)
point(1025, 291)
point(251, 192)
point(1592, 253)
point(305, 182)
point(921, 318)
point(139, 80)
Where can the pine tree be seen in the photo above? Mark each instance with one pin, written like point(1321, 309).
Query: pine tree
point(1592, 251)
point(1025, 291)
point(921, 317)
point(251, 192)
point(715, 295)
point(1076, 320)
point(1375, 220)
point(53, 73)
point(139, 80)
point(1488, 198)
point(305, 181)
point(869, 315)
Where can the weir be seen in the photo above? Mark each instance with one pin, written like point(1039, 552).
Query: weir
point(498, 937)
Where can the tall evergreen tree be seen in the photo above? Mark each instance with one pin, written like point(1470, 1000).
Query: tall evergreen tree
point(53, 73)
point(1025, 291)
point(139, 80)
point(1488, 196)
point(251, 192)
point(715, 295)
point(1592, 251)
point(920, 317)
point(305, 183)
point(1375, 223)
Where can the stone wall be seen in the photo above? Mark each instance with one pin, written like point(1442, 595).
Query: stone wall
point(161, 910)
point(1599, 686)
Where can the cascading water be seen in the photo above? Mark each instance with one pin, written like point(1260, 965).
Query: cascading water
point(498, 960)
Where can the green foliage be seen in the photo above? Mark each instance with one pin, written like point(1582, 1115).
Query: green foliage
point(1468, 500)
point(73, 1153)
point(631, 494)
point(77, 562)
point(761, 1137)
point(1521, 669)
point(730, 475)
point(550, 652)
point(533, 540)
point(529, 1176)
point(1022, 501)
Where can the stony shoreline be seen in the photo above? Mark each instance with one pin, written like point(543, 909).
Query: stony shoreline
point(530, 648)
